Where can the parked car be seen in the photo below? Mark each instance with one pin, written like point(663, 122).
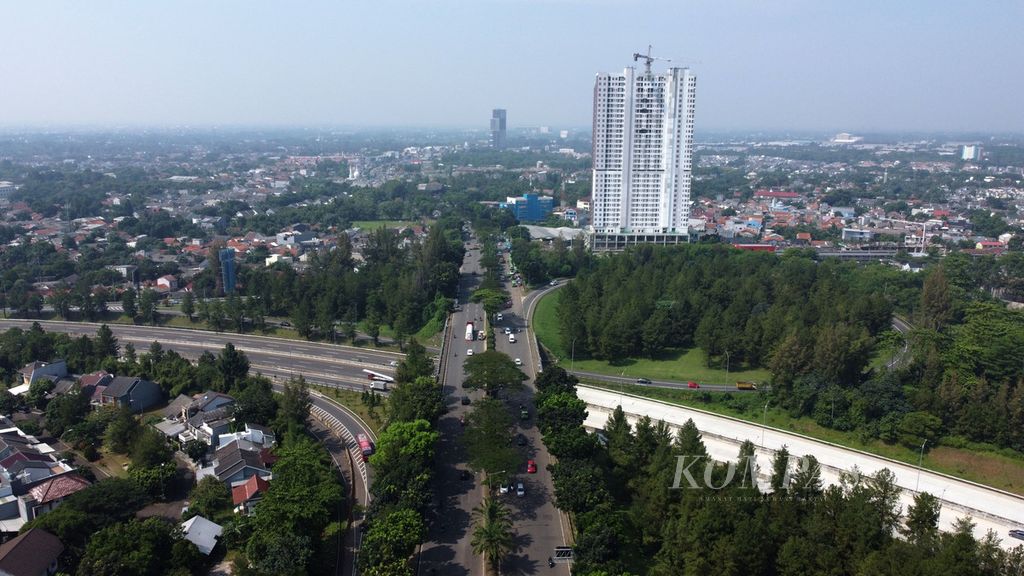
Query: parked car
point(518, 362)
point(520, 489)
point(531, 467)
point(521, 440)
point(499, 317)
point(523, 412)
point(469, 352)
point(643, 381)
point(465, 400)
point(505, 488)
point(1018, 534)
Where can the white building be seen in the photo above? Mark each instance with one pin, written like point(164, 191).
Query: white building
point(970, 152)
point(643, 146)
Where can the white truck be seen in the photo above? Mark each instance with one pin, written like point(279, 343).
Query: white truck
point(469, 331)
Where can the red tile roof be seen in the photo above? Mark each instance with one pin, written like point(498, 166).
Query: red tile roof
point(245, 492)
point(58, 487)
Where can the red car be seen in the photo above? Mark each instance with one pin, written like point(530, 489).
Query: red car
point(531, 467)
point(692, 384)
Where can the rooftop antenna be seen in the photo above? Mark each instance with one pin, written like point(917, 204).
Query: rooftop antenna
point(648, 59)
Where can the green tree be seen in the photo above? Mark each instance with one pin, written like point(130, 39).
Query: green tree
point(65, 411)
point(233, 366)
point(420, 399)
point(391, 541)
point(936, 306)
point(293, 405)
point(210, 498)
point(922, 525)
point(255, 404)
point(106, 343)
point(196, 450)
point(121, 432)
point(188, 305)
point(128, 303)
point(415, 364)
point(492, 371)
point(147, 306)
point(150, 449)
point(487, 439)
point(492, 533)
point(156, 548)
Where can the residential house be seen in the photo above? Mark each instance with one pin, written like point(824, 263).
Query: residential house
point(245, 496)
point(34, 553)
point(36, 370)
point(254, 437)
point(234, 465)
point(48, 494)
point(167, 283)
point(131, 392)
point(207, 417)
point(201, 532)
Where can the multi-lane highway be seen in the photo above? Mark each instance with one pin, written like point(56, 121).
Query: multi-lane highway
point(537, 523)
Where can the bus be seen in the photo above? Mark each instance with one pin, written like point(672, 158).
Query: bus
point(469, 331)
point(365, 446)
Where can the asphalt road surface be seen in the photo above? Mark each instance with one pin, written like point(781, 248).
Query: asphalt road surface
point(537, 525)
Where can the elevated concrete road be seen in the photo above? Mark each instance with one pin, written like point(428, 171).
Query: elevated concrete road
point(989, 508)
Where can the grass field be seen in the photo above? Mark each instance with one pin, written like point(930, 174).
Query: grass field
point(375, 224)
point(991, 469)
point(354, 402)
point(675, 364)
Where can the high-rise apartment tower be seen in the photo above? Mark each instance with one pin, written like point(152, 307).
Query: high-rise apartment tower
point(498, 128)
point(643, 148)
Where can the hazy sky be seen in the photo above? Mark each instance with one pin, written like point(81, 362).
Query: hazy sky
point(842, 65)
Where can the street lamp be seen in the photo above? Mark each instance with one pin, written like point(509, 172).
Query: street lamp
point(726, 365)
point(764, 421)
point(920, 460)
point(572, 359)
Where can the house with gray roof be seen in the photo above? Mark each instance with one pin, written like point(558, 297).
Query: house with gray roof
point(131, 392)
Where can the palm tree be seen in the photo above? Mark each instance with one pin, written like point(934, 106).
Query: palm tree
point(492, 536)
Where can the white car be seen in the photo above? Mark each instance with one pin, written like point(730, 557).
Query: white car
point(519, 362)
point(469, 352)
point(499, 317)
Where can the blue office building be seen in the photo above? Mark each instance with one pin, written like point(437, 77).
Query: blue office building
point(530, 207)
point(227, 269)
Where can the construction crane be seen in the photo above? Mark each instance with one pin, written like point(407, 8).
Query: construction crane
point(648, 59)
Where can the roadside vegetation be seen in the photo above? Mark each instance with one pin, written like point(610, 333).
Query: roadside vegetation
point(818, 332)
point(631, 517)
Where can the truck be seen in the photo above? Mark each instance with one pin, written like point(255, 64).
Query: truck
point(744, 385)
point(469, 331)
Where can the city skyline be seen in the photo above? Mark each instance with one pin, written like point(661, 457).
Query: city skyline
point(799, 66)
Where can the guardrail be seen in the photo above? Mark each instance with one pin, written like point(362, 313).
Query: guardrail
point(351, 445)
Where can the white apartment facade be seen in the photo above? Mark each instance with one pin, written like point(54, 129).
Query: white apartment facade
point(643, 149)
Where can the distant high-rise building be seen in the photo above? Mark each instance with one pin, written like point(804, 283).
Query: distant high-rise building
point(227, 269)
point(498, 126)
point(971, 152)
point(643, 147)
